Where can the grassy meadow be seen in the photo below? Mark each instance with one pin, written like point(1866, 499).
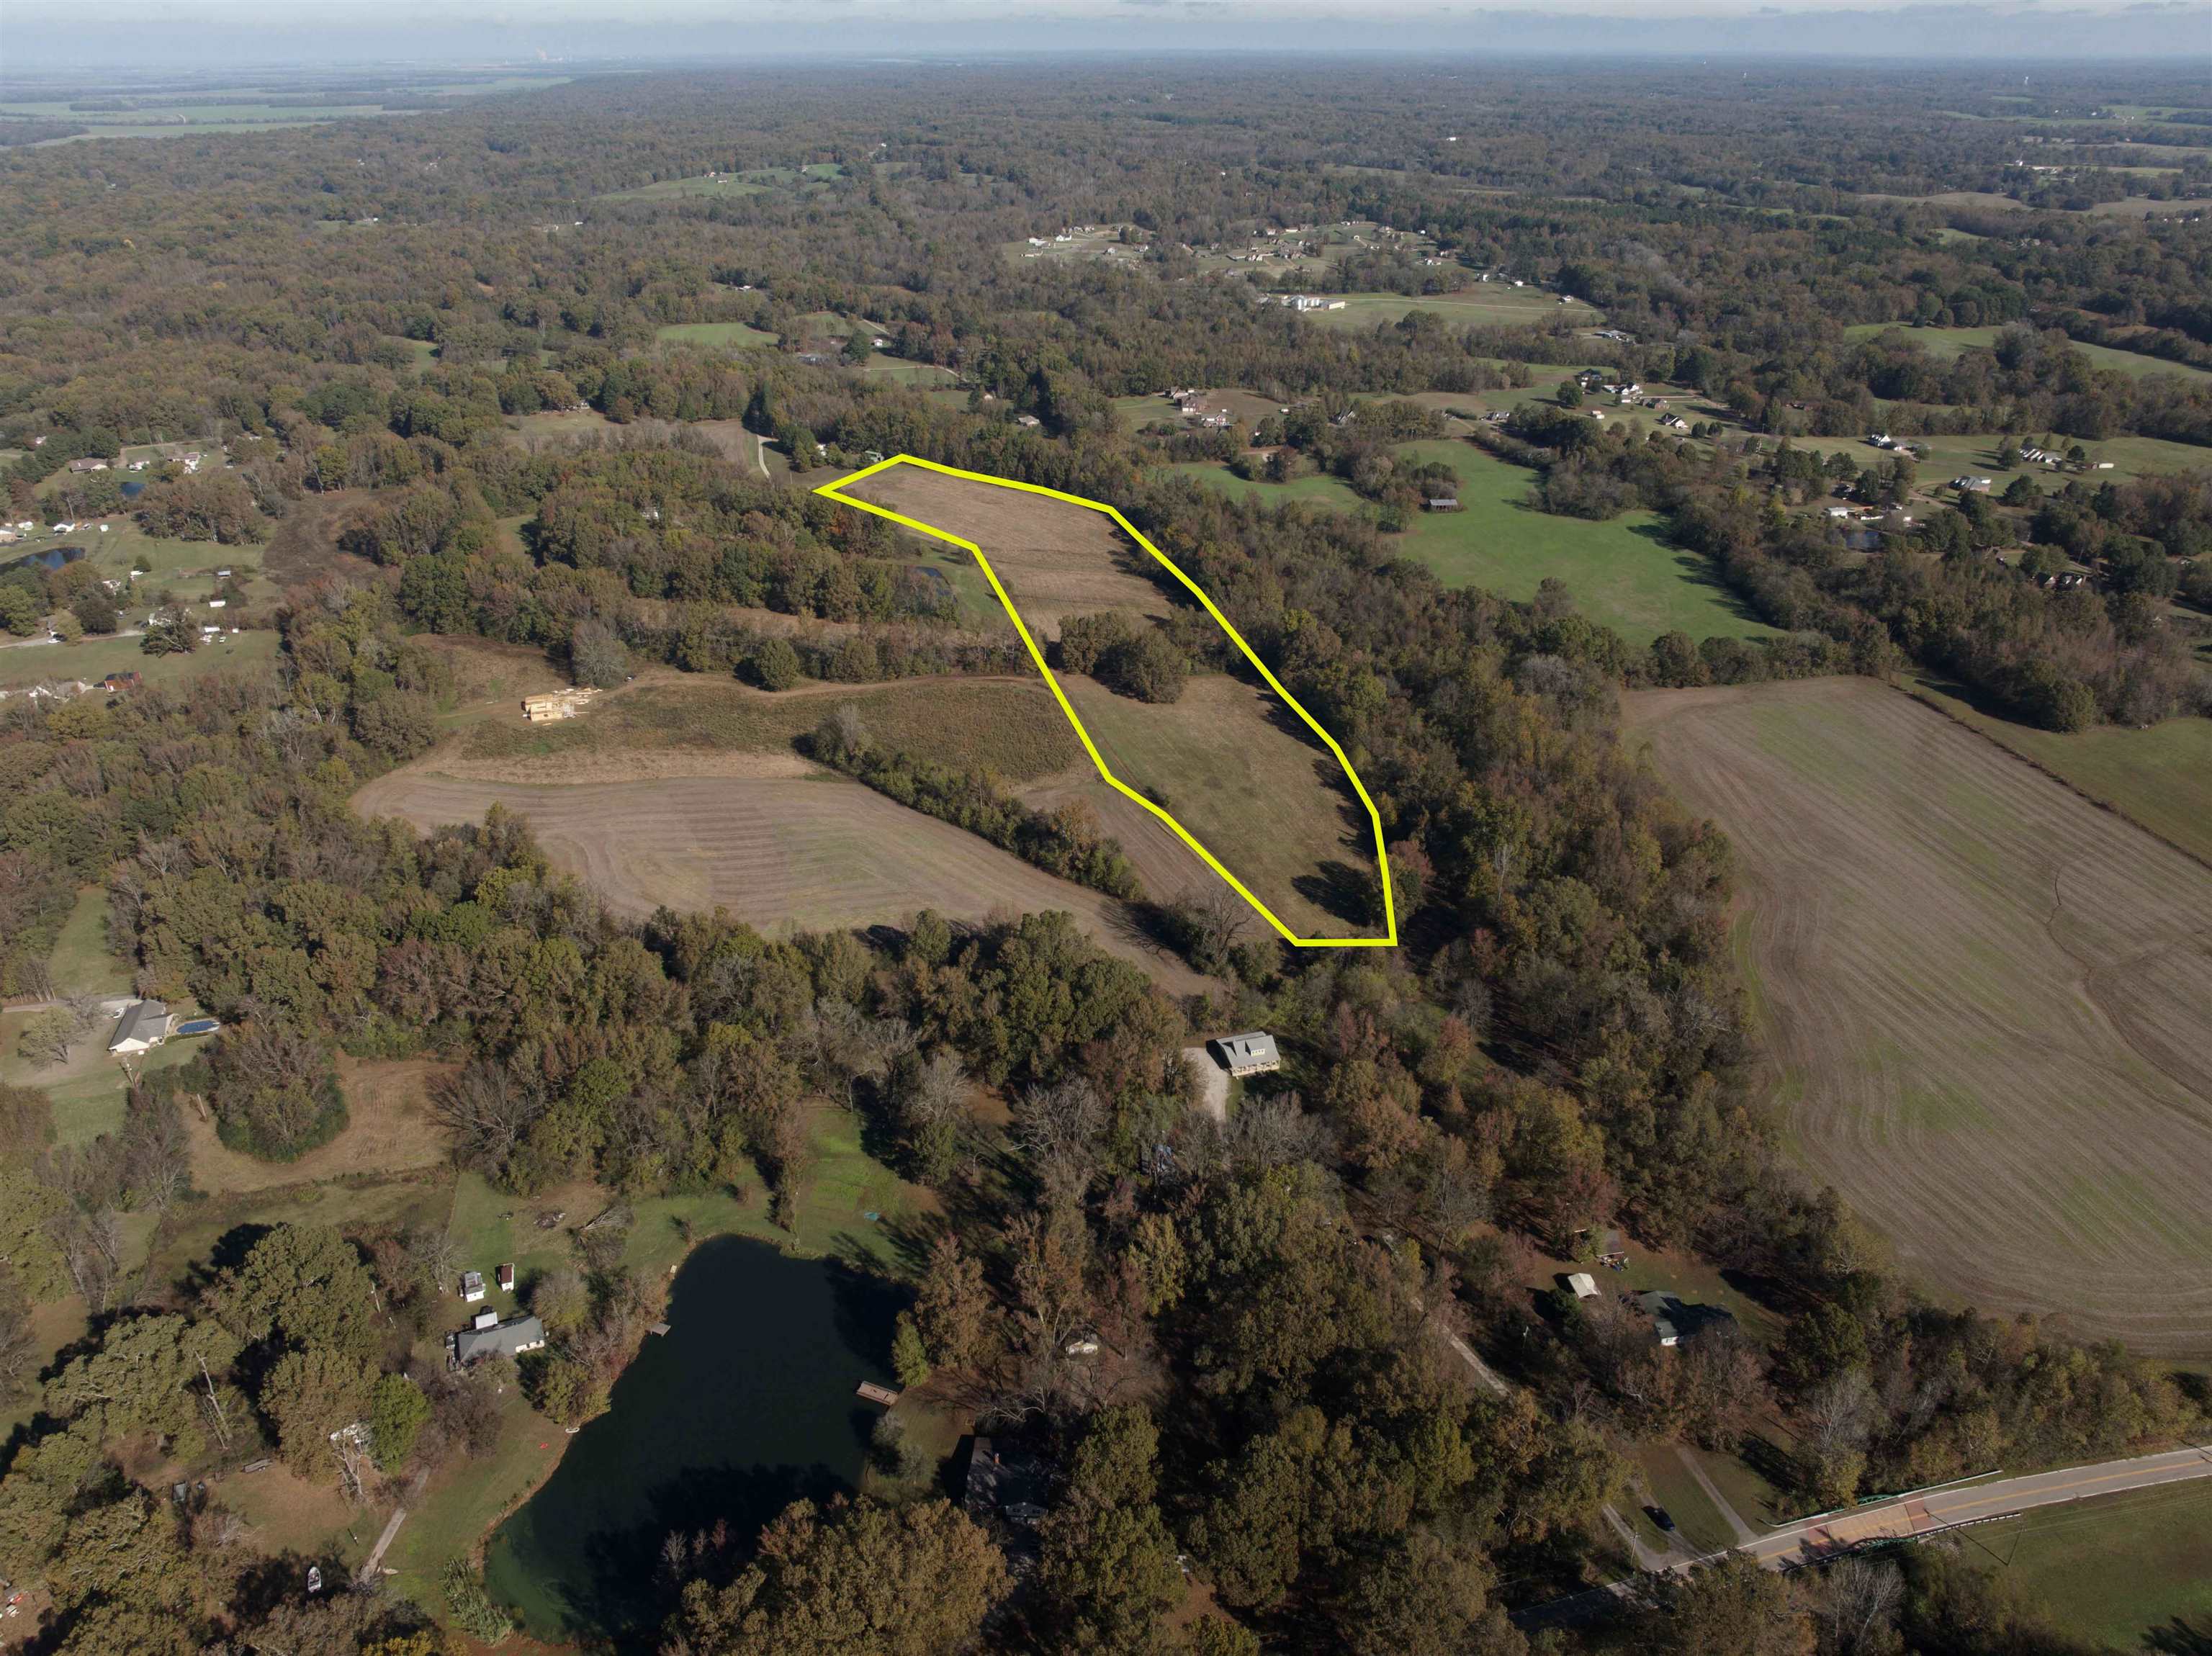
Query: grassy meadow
point(1621, 572)
point(2128, 1573)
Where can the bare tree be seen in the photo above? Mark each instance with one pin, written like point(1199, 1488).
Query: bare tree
point(1837, 1414)
point(484, 1111)
point(91, 1246)
point(1854, 1604)
point(1060, 1128)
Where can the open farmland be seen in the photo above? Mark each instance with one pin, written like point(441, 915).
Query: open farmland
point(806, 852)
point(2160, 778)
point(1990, 1001)
point(1228, 759)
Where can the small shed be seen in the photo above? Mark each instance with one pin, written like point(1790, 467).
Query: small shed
point(506, 1279)
point(1250, 1053)
point(1584, 1285)
point(472, 1286)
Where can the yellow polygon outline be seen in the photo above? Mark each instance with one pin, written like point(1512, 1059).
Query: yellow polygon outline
point(833, 491)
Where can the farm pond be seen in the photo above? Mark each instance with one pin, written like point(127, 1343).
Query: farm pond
point(743, 1406)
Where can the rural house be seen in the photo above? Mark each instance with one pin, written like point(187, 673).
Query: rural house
point(144, 1025)
point(491, 1337)
point(1249, 1054)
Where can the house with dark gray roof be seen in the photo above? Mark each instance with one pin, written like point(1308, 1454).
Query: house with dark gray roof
point(491, 1338)
point(144, 1024)
point(1251, 1053)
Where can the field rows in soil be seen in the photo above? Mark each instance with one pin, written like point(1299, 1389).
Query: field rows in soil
point(809, 852)
point(1990, 1001)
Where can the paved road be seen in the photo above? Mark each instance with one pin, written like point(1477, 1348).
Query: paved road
point(1813, 1538)
point(1919, 1515)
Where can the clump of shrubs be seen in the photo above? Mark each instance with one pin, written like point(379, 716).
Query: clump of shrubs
point(1125, 653)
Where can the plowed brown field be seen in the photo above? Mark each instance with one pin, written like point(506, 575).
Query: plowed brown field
point(811, 852)
point(1990, 1001)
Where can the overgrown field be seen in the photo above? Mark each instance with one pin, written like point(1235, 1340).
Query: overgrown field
point(1990, 1000)
point(811, 852)
point(1233, 764)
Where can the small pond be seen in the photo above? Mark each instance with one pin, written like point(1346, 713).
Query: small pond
point(745, 1406)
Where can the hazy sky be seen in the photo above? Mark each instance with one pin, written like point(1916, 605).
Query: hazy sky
point(92, 35)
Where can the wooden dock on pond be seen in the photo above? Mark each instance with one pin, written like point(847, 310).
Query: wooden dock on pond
point(875, 1393)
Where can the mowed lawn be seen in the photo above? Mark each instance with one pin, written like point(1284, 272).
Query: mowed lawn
point(2160, 777)
point(2119, 1570)
point(1621, 572)
point(1989, 1001)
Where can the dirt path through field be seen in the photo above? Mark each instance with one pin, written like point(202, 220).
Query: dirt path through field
point(1990, 1001)
point(811, 852)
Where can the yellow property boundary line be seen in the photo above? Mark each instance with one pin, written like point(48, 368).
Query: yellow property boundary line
point(833, 491)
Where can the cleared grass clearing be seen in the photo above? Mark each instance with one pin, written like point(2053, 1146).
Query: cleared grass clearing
point(809, 852)
point(1318, 488)
point(82, 963)
point(1056, 560)
point(1989, 1001)
point(1269, 805)
point(388, 1129)
point(1948, 343)
point(1230, 760)
point(716, 335)
point(92, 659)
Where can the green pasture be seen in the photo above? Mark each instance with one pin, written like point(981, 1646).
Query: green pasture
point(1622, 573)
point(1490, 303)
point(92, 659)
point(1316, 487)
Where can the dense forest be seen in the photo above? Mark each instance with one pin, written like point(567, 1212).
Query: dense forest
point(355, 315)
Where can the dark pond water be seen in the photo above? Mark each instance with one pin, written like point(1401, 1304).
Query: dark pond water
point(743, 1406)
point(53, 557)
